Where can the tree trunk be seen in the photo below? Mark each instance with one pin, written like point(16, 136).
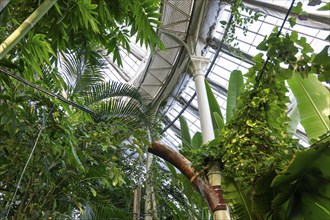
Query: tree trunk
point(181, 163)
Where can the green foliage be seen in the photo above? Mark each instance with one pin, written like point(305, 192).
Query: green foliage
point(255, 145)
point(75, 162)
point(104, 211)
point(238, 198)
point(79, 72)
point(146, 12)
point(326, 7)
point(106, 90)
point(256, 142)
point(239, 21)
point(323, 67)
point(299, 12)
point(303, 189)
point(87, 24)
point(177, 199)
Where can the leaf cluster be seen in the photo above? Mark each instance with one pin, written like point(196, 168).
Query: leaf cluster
point(76, 161)
point(75, 24)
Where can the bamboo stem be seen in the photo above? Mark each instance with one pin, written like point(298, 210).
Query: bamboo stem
point(136, 204)
point(25, 27)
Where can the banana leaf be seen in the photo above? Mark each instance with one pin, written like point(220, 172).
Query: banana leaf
point(294, 120)
point(235, 87)
point(238, 199)
point(214, 107)
point(313, 101)
point(185, 135)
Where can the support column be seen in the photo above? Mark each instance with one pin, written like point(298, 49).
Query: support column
point(197, 68)
point(3, 4)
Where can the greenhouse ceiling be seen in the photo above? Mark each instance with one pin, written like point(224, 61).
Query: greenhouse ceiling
point(163, 75)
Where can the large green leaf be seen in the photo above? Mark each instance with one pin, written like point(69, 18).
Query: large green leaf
point(214, 106)
point(305, 185)
point(235, 86)
point(76, 157)
point(197, 140)
point(185, 135)
point(104, 211)
point(263, 195)
point(218, 120)
point(128, 111)
point(313, 104)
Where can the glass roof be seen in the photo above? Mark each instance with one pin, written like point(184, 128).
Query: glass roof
point(133, 63)
point(227, 62)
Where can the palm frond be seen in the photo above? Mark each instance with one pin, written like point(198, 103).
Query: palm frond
point(128, 111)
point(103, 211)
point(106, 90)
point(79, 73)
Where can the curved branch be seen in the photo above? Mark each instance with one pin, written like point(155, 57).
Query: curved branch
point(184, 165)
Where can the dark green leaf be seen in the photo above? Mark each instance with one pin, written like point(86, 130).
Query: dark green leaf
point(185, 135)
point(325, 7)
point(292, 21)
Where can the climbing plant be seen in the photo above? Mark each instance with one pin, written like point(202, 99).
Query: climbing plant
point(257, 153)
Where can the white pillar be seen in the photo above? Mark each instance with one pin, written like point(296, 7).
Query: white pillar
point(197, 68)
